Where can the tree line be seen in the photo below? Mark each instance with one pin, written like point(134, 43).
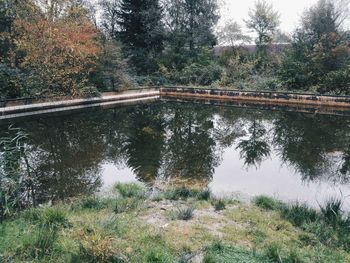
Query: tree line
point(51, 48)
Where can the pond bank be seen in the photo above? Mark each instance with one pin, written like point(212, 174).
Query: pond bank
point(176, 225)
point(310, 103)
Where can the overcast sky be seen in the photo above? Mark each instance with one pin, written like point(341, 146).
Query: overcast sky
point(290, 11)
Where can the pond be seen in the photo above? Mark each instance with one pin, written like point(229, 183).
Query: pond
point(240, 151)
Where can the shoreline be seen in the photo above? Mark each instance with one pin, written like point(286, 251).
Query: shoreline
point(176, 224)
point(302, 102)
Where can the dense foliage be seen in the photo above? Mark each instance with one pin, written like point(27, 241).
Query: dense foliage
point(62, 47)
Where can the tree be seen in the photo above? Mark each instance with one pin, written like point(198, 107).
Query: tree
point(111, 72)
point(190, 23)
point(142, 33)
point(60, 49)
point(264, 20)
point(231, 33)
point(109, 17)
point(320, 54)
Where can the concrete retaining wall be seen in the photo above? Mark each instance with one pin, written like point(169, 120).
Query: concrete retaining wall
point(258, 97)
point(22, 109)
point(270, 100)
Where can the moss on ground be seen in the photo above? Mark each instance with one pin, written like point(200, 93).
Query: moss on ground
point(91, 230)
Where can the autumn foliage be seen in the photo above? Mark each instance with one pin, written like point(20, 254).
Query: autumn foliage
point(61, 54)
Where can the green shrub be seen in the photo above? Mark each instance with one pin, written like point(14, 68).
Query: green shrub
point(131, 190)
point(89, 92)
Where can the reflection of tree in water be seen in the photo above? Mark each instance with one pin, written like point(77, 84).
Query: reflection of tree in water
point(176, 141)
point(255, 148)
point(190, 151)
point(144, 143)
point(71, 154)
point(312, 145)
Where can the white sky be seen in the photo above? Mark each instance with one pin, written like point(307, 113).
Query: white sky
point(290, 11)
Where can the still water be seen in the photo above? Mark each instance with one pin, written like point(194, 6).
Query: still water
point(246, 152)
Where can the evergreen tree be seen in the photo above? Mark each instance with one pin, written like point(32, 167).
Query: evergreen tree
point(141, 32)
point(190, 26)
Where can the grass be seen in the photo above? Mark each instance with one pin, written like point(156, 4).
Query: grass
point(267, 202)
point(332, 211)
point(185, 213)
point(228, 253)
point(128, 229)
point(94, 202)
point(180, 193)
point(219, 204)
point(329, 225)
point(131, 190)
point(123, 205)
point(204, 194)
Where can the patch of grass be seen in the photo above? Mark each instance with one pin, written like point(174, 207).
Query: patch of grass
point(274, 252)
point(227, 253)
point(219, 204)
point(180, 193)
point(329, 225)
point(158, 255)
point(267, 202)
point(113, 225)
point(50, 216)
point(299, 214)
point(93, 202)
point(185, 213)
point(48, 222)
point(332, 211)
point(204, 194)
point(95, 247)
point(123, 205)
point(131, 190)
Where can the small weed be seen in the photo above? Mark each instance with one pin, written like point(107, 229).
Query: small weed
point(273, 252)
point(185, 213)
point(180, 193)
point(218, 252)
point(267, 203)
point(95, 247)
point(217, 245)
point(208, 258)
point(219, 204)
point(158, 255)
point(295, 257)
point(125, 205)
point(204, 194)
point(332, 211)
point(93, 203)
